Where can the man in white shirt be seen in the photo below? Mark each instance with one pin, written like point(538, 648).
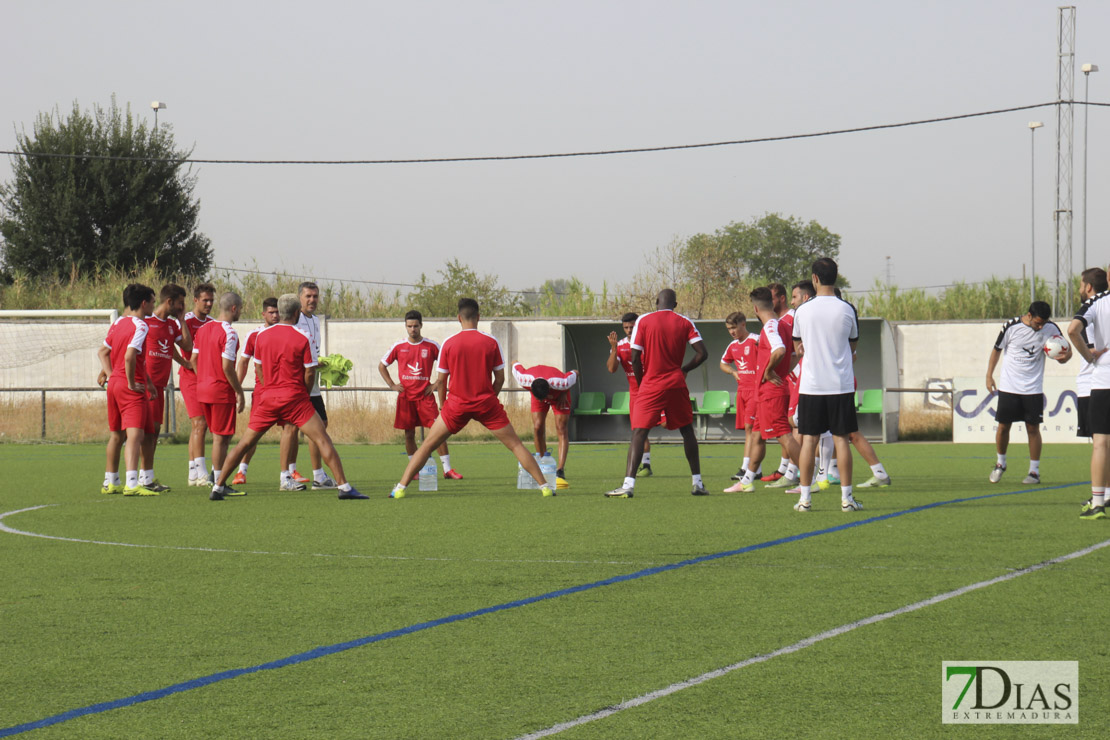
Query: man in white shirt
point(309, 323)
point(1091, 326)
point(1091, 283)
point(1021, 382)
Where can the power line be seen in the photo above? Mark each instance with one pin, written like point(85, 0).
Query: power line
point(511, 157)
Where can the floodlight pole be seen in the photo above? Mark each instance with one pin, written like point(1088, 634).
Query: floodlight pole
point(1033, 126)
point(157, 105)
point(1087, 69)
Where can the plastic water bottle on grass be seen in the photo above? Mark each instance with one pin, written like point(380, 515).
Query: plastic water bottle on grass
point(524, 480)
point(547, 467)
point(428, 480)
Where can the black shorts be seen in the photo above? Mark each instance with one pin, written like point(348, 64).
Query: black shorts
point(820, 414)
point(1014, 407)
point(1083, 416)
point(318, 404)
point(1098, 420)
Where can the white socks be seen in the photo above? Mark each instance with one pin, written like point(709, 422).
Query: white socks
point(1035, 466)
point(319, 475)
point(879, 471)
point(132, 479)
point(446, 461)
point(784, 463)
point(111, 479)
point(1002, 460)
point(697, 479)
point(646, 459)
point(629, 484)
point(243, 468)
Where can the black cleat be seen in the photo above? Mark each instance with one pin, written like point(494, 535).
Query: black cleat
point(699, 490)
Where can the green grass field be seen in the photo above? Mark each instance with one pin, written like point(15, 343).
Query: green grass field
point(212, 587)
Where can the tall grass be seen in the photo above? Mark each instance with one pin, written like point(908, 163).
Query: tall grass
point(997, 298)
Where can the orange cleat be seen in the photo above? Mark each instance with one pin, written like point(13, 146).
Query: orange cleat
point(239, 479)
point(451, 474)
point(772, 477)
point(300, 478)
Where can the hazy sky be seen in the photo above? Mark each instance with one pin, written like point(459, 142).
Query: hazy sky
point(375, 80)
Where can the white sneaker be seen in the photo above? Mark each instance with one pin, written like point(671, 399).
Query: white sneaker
point(326, 483)
point(1032, 478)
point(996, 474)
point(291, 485)
point(851, 505)
point(200, 482)
point(801, 506)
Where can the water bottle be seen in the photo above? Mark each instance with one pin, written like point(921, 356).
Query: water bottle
point(547, 467)
point(428, 480)
point(524, 480)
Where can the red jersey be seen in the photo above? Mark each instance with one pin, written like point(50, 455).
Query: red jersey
point(160, 338)
point(743, 356)
point(470, 358)
point(213, 343)
point(414, 363)
point(248, 353)
point(556, 378)
point(128, 331)
point(624, 357)
point(282, 352)
point(661, 337)
point(194, 323)
point(775, 334)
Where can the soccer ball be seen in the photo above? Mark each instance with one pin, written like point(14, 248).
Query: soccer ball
point(1055, 347)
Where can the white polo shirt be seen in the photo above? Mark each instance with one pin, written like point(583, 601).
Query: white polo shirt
point(825, 325)
point(310, 325)
point(1095, 315)
point(1023, 356)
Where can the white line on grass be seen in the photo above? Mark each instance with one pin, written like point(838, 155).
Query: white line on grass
point(802, 644)
point(12, 530)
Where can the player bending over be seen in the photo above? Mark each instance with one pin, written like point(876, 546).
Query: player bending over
point(550, 389)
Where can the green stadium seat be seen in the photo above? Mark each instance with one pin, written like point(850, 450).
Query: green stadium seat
point(714, 402)
point(870, 401)
point(620, 404)
point(694, 403)
point(591, 403)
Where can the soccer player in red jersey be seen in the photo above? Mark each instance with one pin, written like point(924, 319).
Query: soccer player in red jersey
point(471, 374)
point(739, 362)
point(659, 342)
point(416, 403)
point(165, 334)
point(309, 323)
point(242, 366)
point(785, 314)
point(204, 295)
point(550, 389)
point(776, 348)
point(285, 359)
point(218, 389)
point(620, 357)
point(123, 371)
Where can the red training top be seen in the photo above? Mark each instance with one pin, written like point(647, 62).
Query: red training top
point(160, 338)
point(470, 358)
point(283, 352)
point(662, 336)
point(743, 356)
point(128, 331)
point(775, 334)
point(213, 343)
point(414, 363)
point(194, 323)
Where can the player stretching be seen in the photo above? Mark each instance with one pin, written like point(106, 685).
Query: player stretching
point(1020, 395)
point(285, 360)
point(658, 344)
point(550, 389)
point(123, 371)
point(164, 335)
point(620, 356)
point(309, 323)
point(468, 360)
point(1089, 332)
point(773, 356)
point(825, 332)
point(739, 362)
point(416, 403)
point(218, 389)
point(203, 297)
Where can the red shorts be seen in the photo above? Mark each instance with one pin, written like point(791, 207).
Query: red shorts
point(413, 414)
point(158, 407)
point(220, 418)
point(560, 404)
point(490, 414)
point(652, 404)
point(256, 400)
point(773, 421)
point(747, 408)
point(189, 394)
point(128, 409)
point(267, 413)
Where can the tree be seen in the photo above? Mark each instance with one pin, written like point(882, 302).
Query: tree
point(62, 213)
point(775, 249)
point(460, 281)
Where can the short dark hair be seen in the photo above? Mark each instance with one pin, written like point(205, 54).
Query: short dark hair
point(1041, 310)
point(135, 294)
point(763, 298)
point(204, 288)
point(468, 308)
point(1096, 278)
point(806, 286)
point(541, 389)
point(414, 315)
point(825, 270)
point(736, 318)
point(307, 285)
point(270, 302)
point(170, 292)
point(777, 290)
point(629, 317)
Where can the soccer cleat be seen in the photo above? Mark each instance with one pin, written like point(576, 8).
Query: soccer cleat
point(112, 488)
point(796, 491)
point(1086, 506)
point(397, 492)
point(619, 493)
point(452, 475)
point(738, 475)
point(139, 491)
point(325, 484)
point(215, 495)
point(823, 485)
point(801, 507)
point(211, 477)
point(784, 482)
point(239, 479)
point(1095, 512)
point(561, 484)
point(157, 487)
point(851, 505)
point(292, 485)
point(834, 479)
point(875, 482)
point(546, 491)
point(645, 470)
point(199, 482)
point(352, 495)
point(772, 477)
point(699, 490)
point(229, 491)
point(996, 474)
point(300, 478)
point(740, 487)
point(1031, 479)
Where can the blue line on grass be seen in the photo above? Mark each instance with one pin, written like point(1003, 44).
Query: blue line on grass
point(327, 650)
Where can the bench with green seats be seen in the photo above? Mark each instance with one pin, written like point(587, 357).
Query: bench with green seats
point(869, 401)
point(620, 405)
point(590, 403)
